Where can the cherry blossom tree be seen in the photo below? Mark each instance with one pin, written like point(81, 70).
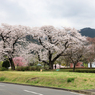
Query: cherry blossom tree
point(12, 40)
point(66, 60)
point(53, 42)
point(30, 58)
point(90, 57)
point(91, 54)
point(76, 54)
point(19, 61)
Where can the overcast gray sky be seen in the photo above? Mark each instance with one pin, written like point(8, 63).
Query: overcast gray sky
point(59, 13)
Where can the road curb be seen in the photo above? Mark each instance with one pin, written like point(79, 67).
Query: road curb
point(78, 91)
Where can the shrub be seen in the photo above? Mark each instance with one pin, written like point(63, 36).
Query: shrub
point(20, 69)
point(33, 68)
point(6, 64)
point(38, 68)
point(70, 79)
point(84, 70)
point(3, 69)
point(2, 78)
point(46, 67)
point(28, 68)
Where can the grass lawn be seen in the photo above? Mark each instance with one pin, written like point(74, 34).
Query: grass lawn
point(67, 80)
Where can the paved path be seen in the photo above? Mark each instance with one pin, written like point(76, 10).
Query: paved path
point(13, 89)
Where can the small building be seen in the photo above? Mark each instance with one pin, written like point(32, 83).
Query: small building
point(78, 65)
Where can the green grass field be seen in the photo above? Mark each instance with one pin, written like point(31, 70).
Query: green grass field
point(67, 80)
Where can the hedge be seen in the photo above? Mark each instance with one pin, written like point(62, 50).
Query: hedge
point(84, 70)
point(28, 68)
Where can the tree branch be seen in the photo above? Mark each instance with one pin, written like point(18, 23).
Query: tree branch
point(42, 44)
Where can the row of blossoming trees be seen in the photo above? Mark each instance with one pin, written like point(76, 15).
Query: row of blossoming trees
point(53, 43)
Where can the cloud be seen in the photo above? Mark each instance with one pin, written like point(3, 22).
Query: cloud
point(59, 13)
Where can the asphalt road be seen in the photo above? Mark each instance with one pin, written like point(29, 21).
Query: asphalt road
point(13, 89)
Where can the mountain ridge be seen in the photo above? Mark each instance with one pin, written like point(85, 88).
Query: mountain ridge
point(89, 32)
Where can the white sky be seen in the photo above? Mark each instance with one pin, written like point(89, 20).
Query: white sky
point(59, 13)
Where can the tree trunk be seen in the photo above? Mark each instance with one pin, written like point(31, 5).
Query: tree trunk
point(51, 65)
point(90, 65)
point(74, 67)
point(12, 64)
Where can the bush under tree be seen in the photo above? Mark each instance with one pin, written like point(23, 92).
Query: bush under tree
point(6, 64)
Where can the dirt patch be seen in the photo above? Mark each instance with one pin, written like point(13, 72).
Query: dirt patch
point(32, 79)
